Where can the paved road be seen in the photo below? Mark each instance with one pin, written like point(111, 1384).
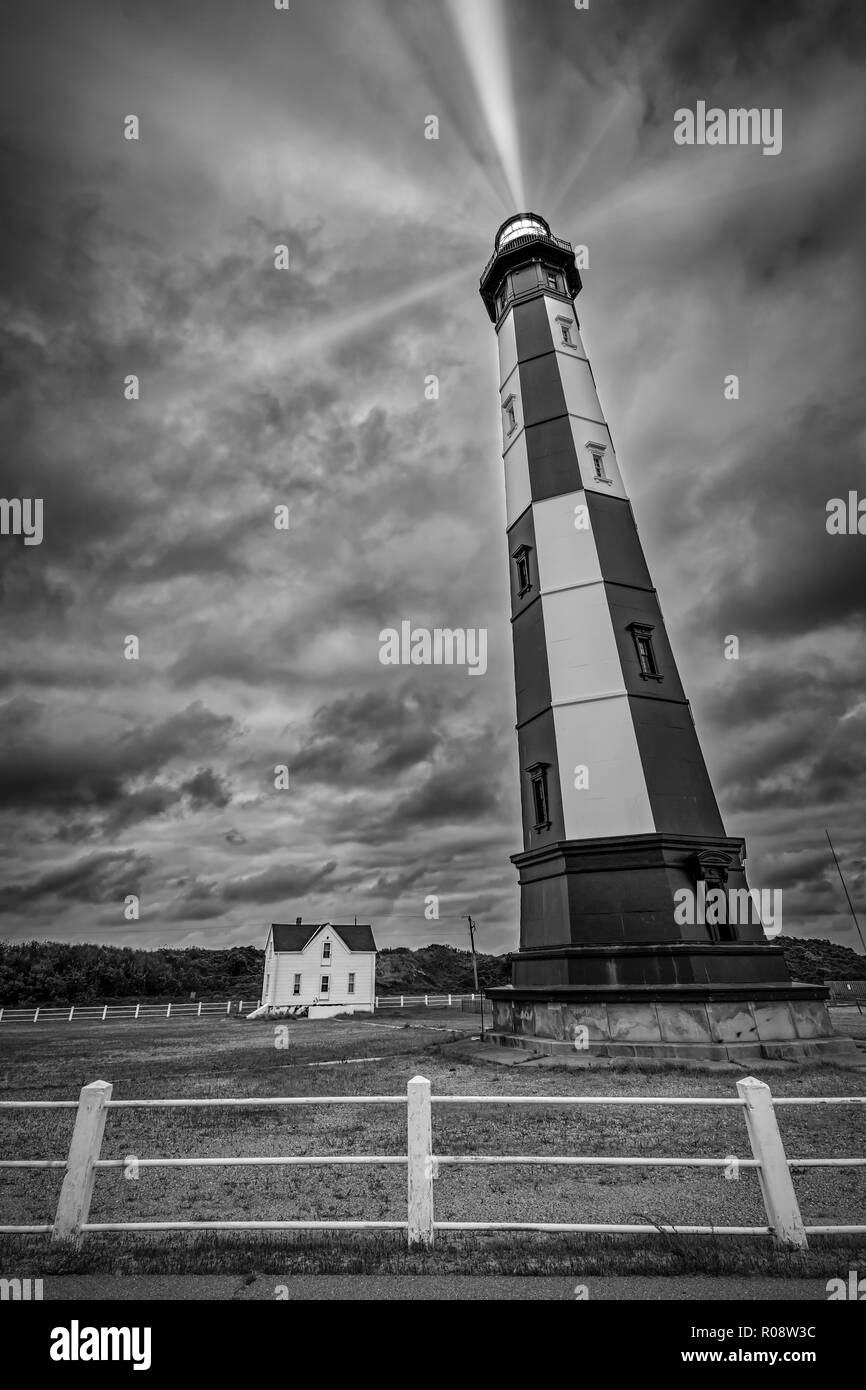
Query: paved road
point(451, 1288)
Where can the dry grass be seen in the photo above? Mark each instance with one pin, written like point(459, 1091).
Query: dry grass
point(233, 1058)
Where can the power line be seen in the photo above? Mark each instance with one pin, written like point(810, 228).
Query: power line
point(847, 894)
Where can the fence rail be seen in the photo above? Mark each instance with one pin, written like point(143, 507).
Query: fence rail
point(844, 992)
point(753, 1099)
point(84, 1012)
point(468, 1002)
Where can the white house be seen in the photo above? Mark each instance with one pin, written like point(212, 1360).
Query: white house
point(327, 968)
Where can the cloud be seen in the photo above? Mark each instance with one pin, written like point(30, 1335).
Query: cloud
point(305, 388)
point(107, 876)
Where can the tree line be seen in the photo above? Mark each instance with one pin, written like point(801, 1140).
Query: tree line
point(55, 972)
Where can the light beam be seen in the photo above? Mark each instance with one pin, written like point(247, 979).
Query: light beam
point(480, 27)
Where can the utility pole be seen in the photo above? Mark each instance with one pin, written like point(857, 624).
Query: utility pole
point(472, 949)
point(475, 969)
point(847, 894)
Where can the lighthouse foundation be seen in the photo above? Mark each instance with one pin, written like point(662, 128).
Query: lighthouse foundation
point(605, 968)
point(679, 1022)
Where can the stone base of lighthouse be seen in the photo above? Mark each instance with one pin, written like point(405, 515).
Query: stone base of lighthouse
point(605, 970)
point(680, 1023)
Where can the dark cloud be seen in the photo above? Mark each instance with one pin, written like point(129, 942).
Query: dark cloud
point(206, 788)
point(108, 876)
point(371, 736)
point(271, 885)
point(107, 782)
point(460, 792)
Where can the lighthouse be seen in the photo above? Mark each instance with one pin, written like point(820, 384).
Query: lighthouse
point(621, 826)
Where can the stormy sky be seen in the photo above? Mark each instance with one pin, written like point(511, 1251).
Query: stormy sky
point(305, 388)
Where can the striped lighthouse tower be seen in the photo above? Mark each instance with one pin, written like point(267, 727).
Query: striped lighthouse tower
point(623, 839)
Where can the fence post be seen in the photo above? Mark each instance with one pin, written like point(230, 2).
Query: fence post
point(229, 1007)
point(73, 1206)
point(168, 1012)
point(774, 1175)
point(401, 1001)
point(104, 1012)
point(425, 1000)
point(449, 1001)
point(198, 1015)
point(35, 1016)
point(137, 1007)
point(71, 1012)
point(420, 1140)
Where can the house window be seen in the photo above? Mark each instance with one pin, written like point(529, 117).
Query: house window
point(510, 413)
point(642, 634)
point(540, 802)
point(326, 984)
point(326, 950)
point(521, 560)
point(351, 982)
point(597, 453)
point(296, 988)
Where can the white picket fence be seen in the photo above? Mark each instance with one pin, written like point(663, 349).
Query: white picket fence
point(114, 1012)
point(110, 1012)
point(423, 1164)
point(430, 1001)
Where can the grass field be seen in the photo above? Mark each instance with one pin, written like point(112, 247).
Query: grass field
point(231, 1057)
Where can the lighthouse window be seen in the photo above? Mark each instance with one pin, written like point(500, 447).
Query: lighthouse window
point(565, 326)
point(646, 656)
point(500, 304)
point(642, 634)
point(553, 280)
point(596, 453)
point(510, 415)
point(521, 561)
point(540, 804)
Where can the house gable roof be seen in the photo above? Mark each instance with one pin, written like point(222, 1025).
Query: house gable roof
point(293, 937)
